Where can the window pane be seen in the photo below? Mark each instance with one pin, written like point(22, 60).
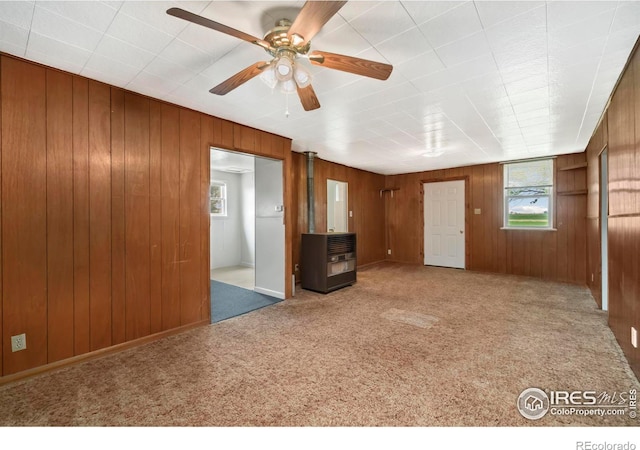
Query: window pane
point(528, 212)
point(216, 191)
point(530, 173)
point(217, 206)
point(528, 191)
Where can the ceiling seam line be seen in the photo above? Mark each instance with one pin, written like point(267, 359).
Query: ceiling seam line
point(593, 83)
point(483, 121)
point(33, 13)
point(495, 61)
point(467, 96)
point(422, 33)
point(546, 36)
point(104, 33)
point(463, 132)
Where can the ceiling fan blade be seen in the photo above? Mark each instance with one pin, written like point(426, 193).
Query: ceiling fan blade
point(240, 78)
point(351, 64)
point(194, 18)
point(312, 17)
point(308, 98)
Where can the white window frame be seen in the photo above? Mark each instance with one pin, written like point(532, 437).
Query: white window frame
point(549, 196)
point(223, 198)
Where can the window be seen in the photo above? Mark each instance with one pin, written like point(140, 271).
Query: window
point(528, 194)
point(218, 198)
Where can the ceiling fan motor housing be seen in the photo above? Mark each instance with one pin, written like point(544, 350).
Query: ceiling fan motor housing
point(279, 39)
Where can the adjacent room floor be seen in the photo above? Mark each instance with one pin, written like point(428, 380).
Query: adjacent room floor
point(405, 346)
point(229, 301)
point(233, 293)
point(240, 276)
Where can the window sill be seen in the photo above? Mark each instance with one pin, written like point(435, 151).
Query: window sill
point(528, 229)
point(218, 216)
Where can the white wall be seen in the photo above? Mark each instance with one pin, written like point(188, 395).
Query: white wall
point(226, 242)
point(248, 220)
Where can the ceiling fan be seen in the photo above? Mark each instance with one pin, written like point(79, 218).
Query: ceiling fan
point(288, 42)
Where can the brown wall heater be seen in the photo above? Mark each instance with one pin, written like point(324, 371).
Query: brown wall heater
point(328, 261)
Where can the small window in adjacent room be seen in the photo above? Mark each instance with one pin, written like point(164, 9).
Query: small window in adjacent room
point(218, 199)
point(528, 194)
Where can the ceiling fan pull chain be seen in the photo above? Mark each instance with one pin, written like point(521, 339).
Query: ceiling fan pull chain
point(286, 110)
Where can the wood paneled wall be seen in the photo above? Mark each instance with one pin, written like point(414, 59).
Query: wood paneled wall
point(364, 200)
point(396, 222)
point(104, 219)
point(619, 131)
point(554, 255)
point(24, 203)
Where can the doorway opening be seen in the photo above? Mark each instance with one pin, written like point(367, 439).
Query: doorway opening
point(337, 206)
point(246, 233)
point(444, 224)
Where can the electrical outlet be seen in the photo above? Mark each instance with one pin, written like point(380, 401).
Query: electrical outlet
point(634, 337)
point(388, 251)
point(18, 342)
point(297, 267)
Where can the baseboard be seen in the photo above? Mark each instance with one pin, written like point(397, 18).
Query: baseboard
point(397, 261)
point(246, 264)
point(362, 266)
point(269, 292)
point(99, 353)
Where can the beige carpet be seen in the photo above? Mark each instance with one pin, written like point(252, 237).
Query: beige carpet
point(240, 276)
point(405, 346)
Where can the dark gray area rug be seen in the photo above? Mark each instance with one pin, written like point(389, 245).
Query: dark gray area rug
point(229, 301)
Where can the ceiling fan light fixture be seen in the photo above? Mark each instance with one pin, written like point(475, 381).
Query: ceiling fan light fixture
point(284, 68)
point(288, 86)
point(268, 76)
point(301, 75)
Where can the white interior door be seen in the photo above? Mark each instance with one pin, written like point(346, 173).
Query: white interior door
point(270, 253)
point(444, 224)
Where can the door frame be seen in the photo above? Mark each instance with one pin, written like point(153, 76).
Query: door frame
point(467, 215)
point(603, 234)
point(288, 220)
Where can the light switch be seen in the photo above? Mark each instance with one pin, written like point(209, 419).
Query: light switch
point(477, 211)
point(350, 213)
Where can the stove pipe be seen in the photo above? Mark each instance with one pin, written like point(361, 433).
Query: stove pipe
point(311, 213)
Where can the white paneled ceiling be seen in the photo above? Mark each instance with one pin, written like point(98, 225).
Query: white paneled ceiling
point(231, 162)
point(473, 82)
